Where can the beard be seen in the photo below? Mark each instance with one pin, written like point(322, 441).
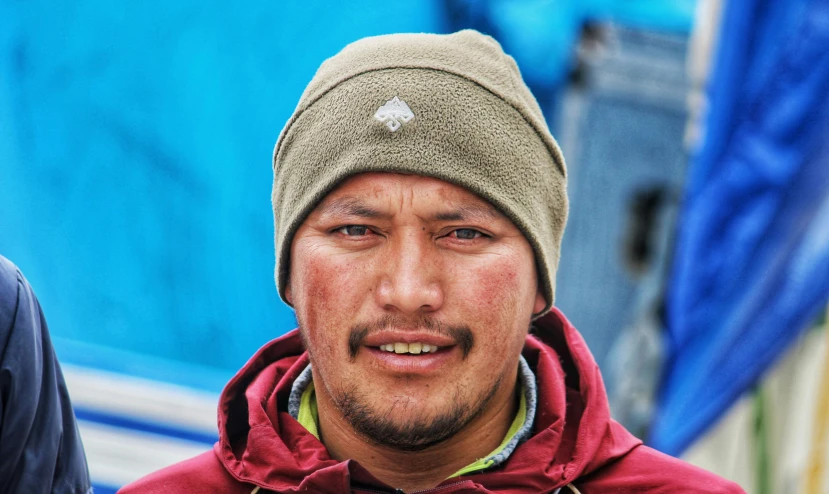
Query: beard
point(417, 433)
point(414, 434)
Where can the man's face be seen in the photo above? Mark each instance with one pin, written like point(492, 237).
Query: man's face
point(414, 297)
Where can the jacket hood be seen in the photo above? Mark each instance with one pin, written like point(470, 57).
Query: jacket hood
point(573, 435)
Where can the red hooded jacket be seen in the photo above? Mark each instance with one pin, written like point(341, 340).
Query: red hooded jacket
point(574, 439)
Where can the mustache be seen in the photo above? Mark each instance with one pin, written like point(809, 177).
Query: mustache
point(460, 333)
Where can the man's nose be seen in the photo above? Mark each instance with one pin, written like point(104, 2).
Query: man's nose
point(410, 280)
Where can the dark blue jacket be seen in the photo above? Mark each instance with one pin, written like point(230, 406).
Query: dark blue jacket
point(40, 448)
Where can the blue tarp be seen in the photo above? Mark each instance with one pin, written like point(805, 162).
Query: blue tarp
point(751, 264)
point(135, 170)
point(135, 156)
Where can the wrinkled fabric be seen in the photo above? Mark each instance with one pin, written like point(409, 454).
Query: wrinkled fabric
point(40, 448)
point(751, 262)
point(574, 440)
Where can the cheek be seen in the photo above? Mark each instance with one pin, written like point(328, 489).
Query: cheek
point(317, 277)
point(500, 285)
point(497, 297)
point(326, 288)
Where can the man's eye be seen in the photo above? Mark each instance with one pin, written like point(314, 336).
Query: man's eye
point(353, 230)
point(467, 234)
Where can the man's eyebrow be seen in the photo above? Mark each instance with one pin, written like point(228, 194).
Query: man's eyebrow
point(349, 206)
point(466, 213)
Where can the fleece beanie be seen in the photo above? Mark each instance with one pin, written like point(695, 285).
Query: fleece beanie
point(452, 107)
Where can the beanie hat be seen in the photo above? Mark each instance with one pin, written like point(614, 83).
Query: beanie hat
point(452, 107)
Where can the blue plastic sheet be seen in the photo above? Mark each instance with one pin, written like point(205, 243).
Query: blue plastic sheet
point(135, 144)
point(135, 170)
point(751, 265)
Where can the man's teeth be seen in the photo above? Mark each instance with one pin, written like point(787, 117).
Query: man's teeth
point(413, 348)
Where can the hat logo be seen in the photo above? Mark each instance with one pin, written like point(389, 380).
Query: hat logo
point(394, 113)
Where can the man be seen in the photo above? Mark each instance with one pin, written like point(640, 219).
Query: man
point(419, 202)
point(40, 448)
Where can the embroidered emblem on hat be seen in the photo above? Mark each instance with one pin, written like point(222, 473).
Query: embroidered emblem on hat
point(394, 113)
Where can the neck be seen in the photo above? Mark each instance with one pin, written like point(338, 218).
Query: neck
point(412, 471)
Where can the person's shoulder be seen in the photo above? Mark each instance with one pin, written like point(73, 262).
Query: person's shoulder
point(646, 470)
point(9, 286)
point(15, 296)
point(203, 473)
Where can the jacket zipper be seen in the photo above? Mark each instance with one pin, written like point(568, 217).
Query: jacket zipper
point(433, 489)
point(425, 491)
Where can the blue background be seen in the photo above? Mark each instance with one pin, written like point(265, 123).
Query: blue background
point(135, 169)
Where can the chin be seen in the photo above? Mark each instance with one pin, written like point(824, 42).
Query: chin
point(406, 423)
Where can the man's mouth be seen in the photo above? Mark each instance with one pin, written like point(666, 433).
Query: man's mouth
point(393, 339)
point(415, 348)
point(412, 357)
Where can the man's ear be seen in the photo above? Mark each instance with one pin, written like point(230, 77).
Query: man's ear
point(540, 302)
point(288, 295)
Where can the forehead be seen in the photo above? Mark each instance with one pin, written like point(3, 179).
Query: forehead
point(392, 190)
